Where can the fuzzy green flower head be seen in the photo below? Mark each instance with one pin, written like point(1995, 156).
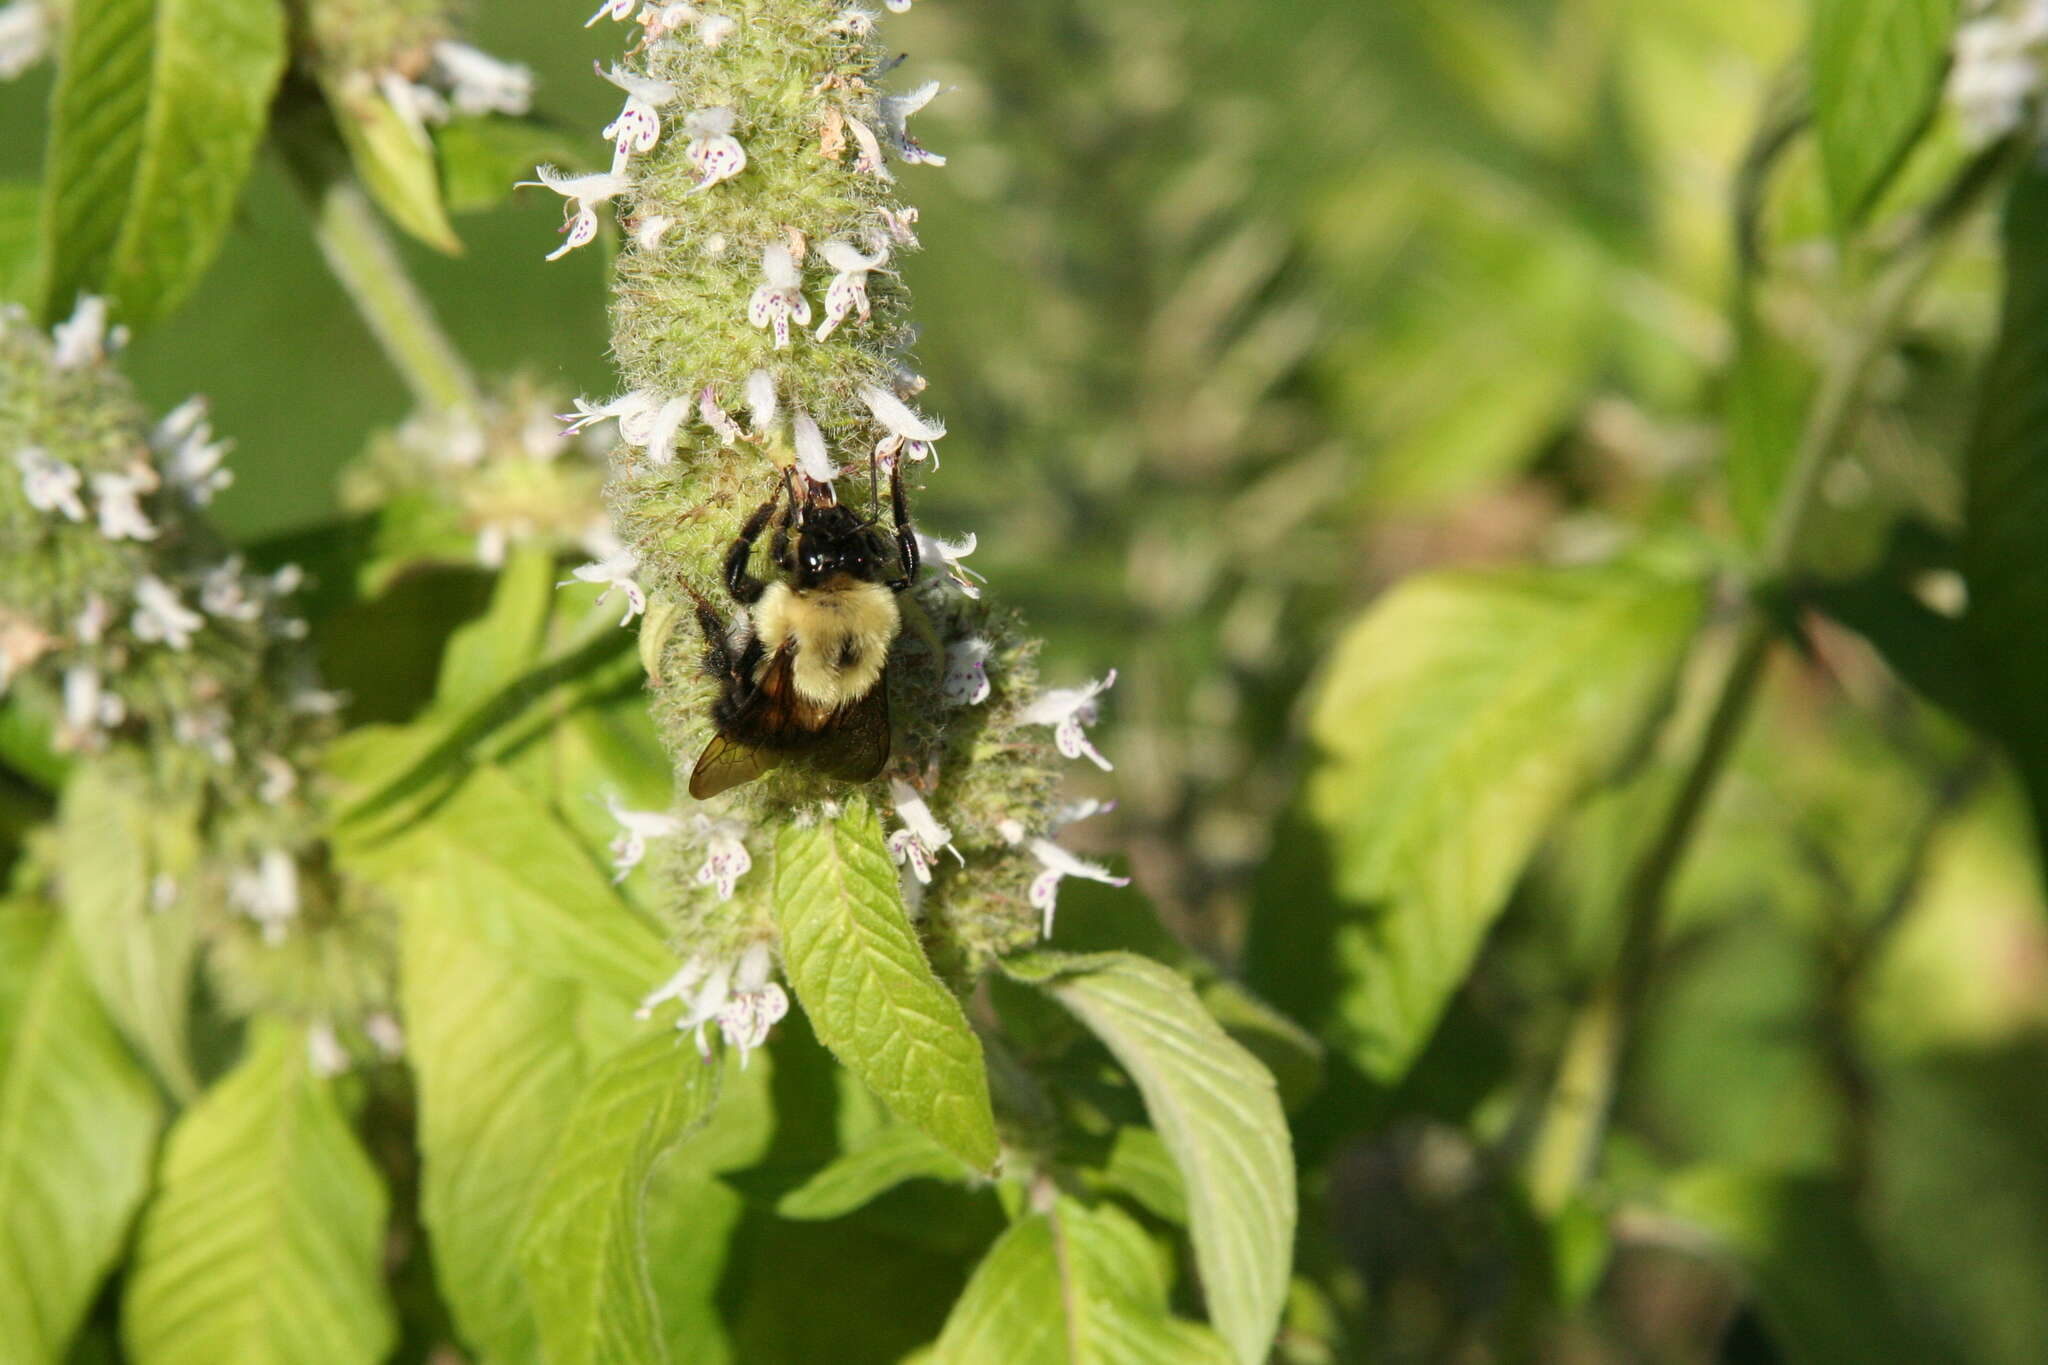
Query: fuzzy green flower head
point(155, 654)
point(762, 331)
point(476, 483)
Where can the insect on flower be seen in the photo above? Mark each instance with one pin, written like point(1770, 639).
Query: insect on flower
point(808, 675)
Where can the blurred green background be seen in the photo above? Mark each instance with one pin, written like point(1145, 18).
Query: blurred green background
point(1240, 312)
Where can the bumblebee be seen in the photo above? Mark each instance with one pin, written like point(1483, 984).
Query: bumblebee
point(808, 677)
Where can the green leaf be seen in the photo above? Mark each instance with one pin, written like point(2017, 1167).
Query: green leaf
point(1218, 1112)
point(99, 110)
point(1140, 1167)
point(876, 1163)
point(1877, 68)
point(857, 967)
point(495, 860)
point(2006, 499)
point(692, 1219)
point(78, 1123)
point(265, 1241)
point(21, 243)
point(1817, 1276)
point(1455, 723)
point(584, 1252)
point(496, 1061)
point(503, 643)
point(114, 840)
point(1072, 1286)
point(394, 160)
point(153, 132)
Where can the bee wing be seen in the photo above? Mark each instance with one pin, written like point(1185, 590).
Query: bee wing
point(726, 763)
point(856, 746)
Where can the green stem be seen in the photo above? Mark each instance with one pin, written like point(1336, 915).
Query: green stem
point(1574, 1120)
point(371, 272)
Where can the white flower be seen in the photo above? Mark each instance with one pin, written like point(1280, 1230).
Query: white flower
point(1997, 69)
point(662, 20)
point(89, 707)
point(626, 405)
point(896, 111)
point(717, 418)
point(24, 37)
point(781, 297)
point(493, 540)
point(922, 836)
point(49, 484)
point(933, 549)
point(648, 231)
point(190, 457)
point(384, 1034)
point(712, 148)
point(967, 671)
point(416, 105)
point(870, 158)
point(584, 193)
point(762, 405)
point(636, 827)
point(85, 338)
point(93, 619)
point(638, 126)
point(737, 996)
point(616, 572)
point(858, 22)
point(324, 1052)
point(280, 779)
point(811, 455)
point(910, 433)
point(314, 701)
point(726, 859)
point(618, 10)
point(900, 224)
point(205, 728)
point(224, 593)
point(479, 83)
point(848, 292)
point(1067, 709)
point(118, 497)
point(160, 616)
point(1058, 864)
point(898, 6)
point(268, 893)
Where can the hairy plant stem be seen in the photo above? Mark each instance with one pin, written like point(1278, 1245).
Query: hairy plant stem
point(1573, 1123)
point(363, 258)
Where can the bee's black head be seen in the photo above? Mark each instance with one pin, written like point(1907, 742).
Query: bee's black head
point(834, 541)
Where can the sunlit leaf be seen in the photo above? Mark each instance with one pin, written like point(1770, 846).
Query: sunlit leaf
point(394, 159)
point(584, 1252)
point(861, 975)
point(876, 1163)
point(1218, 1112)
point(1877, 68)
point(264, 1244)
point(1073, 1286)
point(159, 109)
point(78, 1124)
point(1455, 723)
point(497, 1065)
point(119, 846)
point(495, 859)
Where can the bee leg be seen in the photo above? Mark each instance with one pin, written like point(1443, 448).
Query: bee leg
point(778, 545)
point(906, 534)
point(744, 587)
point(718, 660)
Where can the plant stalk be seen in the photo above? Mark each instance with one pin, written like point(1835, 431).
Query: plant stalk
point(363, 258)
point(1574, 1120)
